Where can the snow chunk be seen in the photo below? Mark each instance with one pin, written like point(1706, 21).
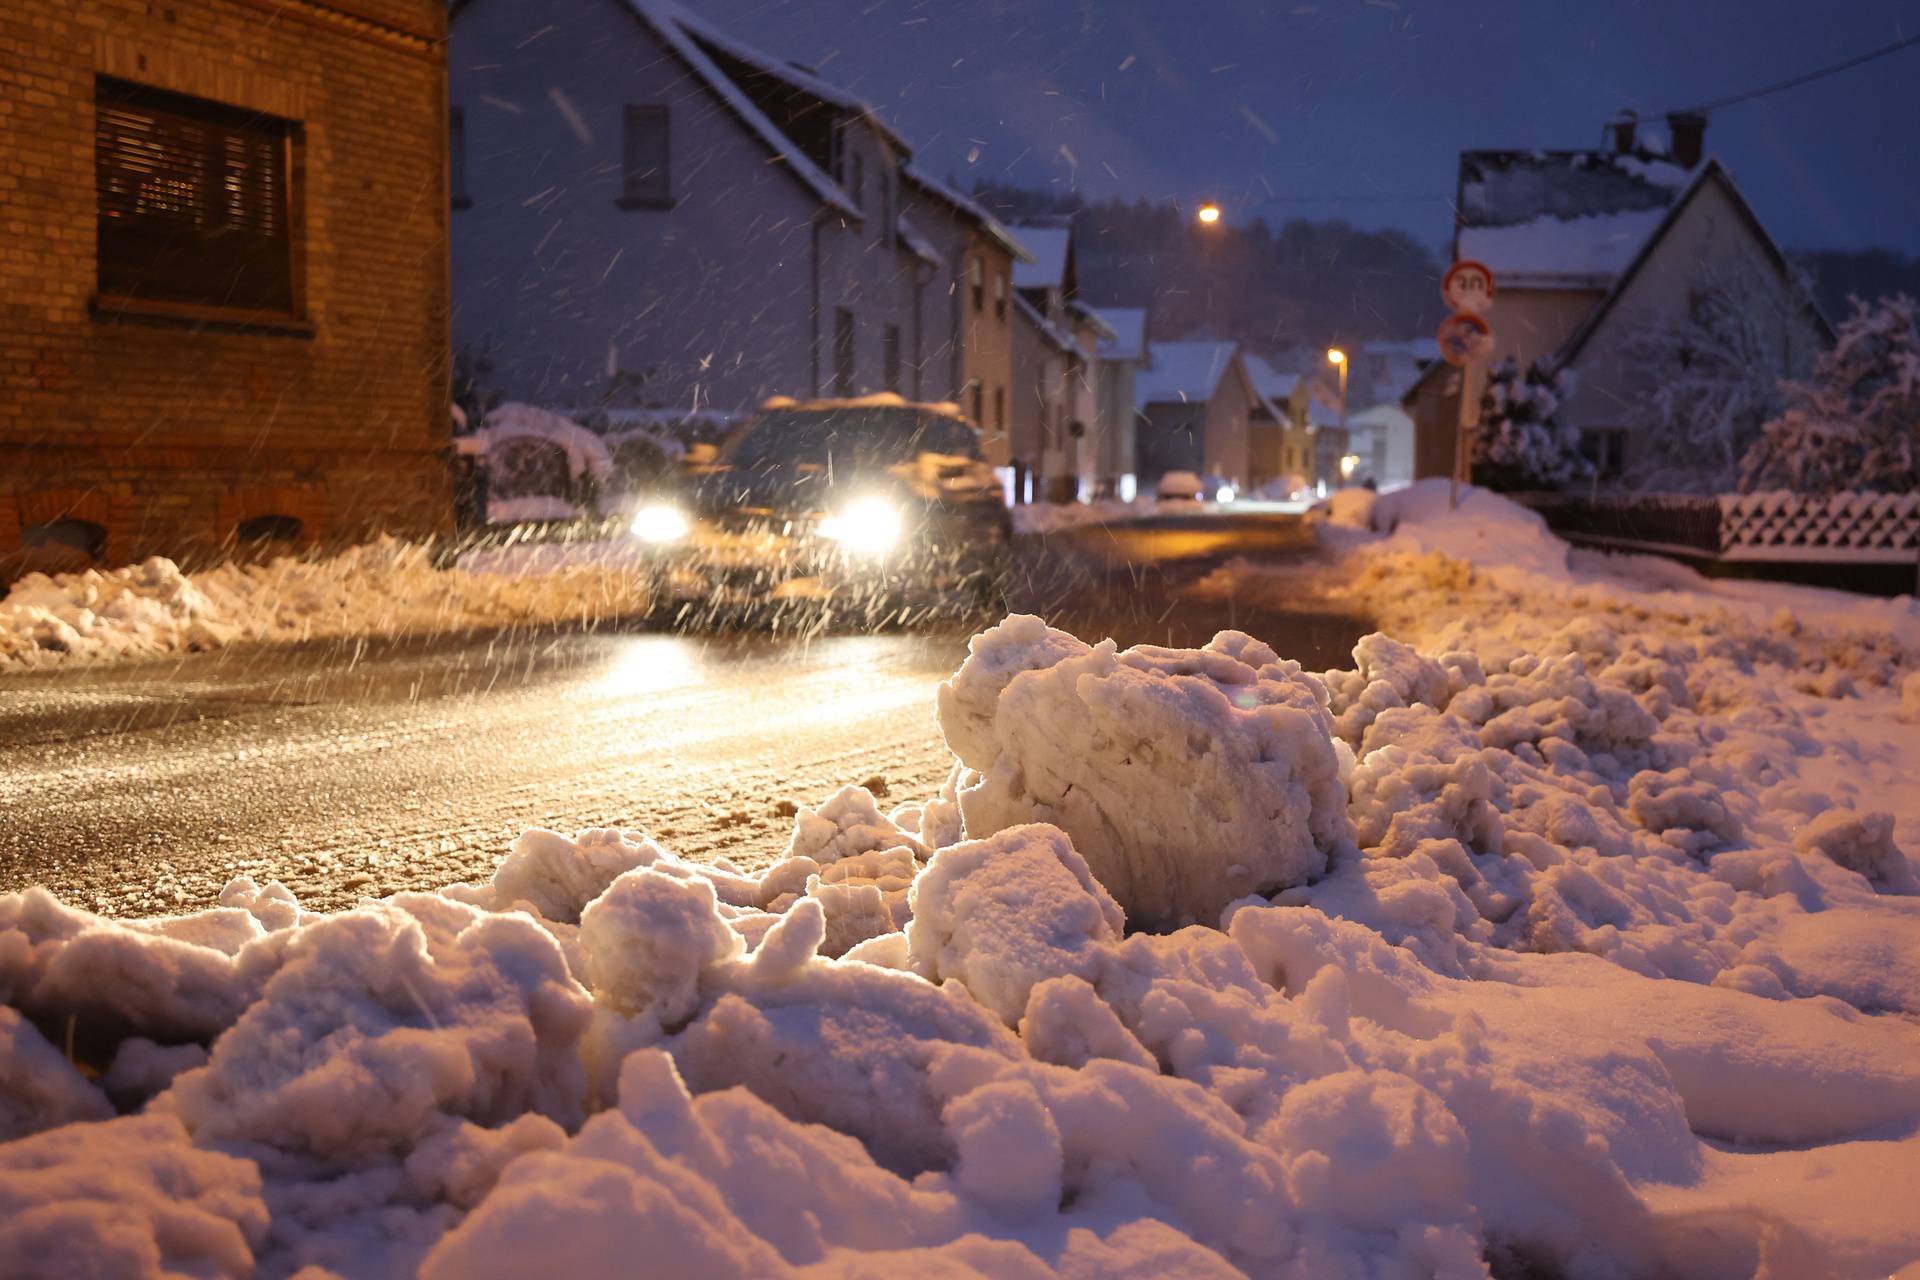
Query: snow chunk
point(1187, 778)
point(1863, 843)
point(1009, 1150)
point(647, 940)
point(1003, 914)
point(128, 1197)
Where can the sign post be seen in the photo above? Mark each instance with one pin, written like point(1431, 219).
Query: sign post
point(1466, 342)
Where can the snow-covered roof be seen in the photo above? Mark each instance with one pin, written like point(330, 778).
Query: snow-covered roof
point(1561, 218)
point(676, 28)
point(1092, 319)
point(1269, 381)
point(1182, 372)
point(1049, 331)
point(968, 208)
point(1129, 326)
point(915, 243)
point(1048, 267)
point(875, 400)
point(586, 452)
point(804, 79)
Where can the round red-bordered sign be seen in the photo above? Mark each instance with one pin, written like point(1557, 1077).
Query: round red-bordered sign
point(1464, 338)
point(1468, 287)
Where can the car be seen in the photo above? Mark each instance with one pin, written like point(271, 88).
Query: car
point(865, 505)
point(1184, 486)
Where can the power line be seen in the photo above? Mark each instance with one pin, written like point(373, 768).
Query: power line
point(1795, 82)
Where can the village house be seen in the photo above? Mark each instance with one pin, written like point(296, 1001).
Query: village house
point(1280, 447)
point(1196, 405)
point(1050, 369)
point(1118, 359)
point(223, 285)
point(1591, 252)
point(651, 213)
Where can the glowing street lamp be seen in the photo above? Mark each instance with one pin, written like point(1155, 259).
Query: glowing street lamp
point(1208, 213)
point(1338, 359)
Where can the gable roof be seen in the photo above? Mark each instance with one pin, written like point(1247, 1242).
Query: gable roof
point(1049, 332)
point(1561, 219)
point(1048, 267)
point(968, 208)
point(1128, 326)
point(1269, 381)
point(1183, 372)
point(1710, 172)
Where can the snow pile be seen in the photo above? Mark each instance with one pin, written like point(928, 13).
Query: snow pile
point(382, 588)
point(1051, 517)
point(1187, 778)
point(1595, 951)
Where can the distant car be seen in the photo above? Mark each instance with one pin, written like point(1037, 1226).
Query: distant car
point(859, 503)
point(1181, 486)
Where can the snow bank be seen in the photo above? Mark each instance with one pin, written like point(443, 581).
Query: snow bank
point(384, 588)
point(1051, 517)
point(1593, 950)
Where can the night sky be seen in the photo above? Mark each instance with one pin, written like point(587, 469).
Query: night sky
point(1356, 109)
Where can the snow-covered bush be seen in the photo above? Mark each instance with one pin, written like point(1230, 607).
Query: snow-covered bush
point(1855, 424)
point(1520, 442)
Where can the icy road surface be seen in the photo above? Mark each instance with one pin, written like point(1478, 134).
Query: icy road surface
point(349, 771)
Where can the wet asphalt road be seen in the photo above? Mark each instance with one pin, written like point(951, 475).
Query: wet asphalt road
point(359, 770)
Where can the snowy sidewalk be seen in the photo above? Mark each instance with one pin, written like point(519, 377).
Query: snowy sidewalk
point(1571, 931)
point(384, 588)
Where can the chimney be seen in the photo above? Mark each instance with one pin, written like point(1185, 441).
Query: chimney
point(1689, 132)
point(1623, 128)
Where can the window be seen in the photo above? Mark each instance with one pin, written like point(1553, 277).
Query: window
point(890, 356)
point(1000, 297)
point(194, 205)
point(999, 408)
point(646, 180)
point(1605, 448)
point(842, 352)
point(976, 394)
point(977, 281)
point(457, 157)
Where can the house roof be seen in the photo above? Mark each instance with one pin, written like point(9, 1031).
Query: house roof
point(968, 208)
point(915, 243)
point(1128, 326)
point(1049, 332)
point(675, 27)
point(1182, 372)
point(1269, 381)
point(1710, 172)
point(1561, 218)
point(1091, 318)
point(803, 79)
point(1048, 267)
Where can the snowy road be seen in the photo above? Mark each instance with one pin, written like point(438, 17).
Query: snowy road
point(411, 764)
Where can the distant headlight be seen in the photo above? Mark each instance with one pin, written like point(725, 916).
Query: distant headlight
point(659, 524)
point(869, 526)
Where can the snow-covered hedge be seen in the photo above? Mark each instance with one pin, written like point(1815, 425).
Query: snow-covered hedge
point(1595, 952)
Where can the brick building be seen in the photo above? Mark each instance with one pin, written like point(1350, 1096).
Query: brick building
point(223, 276)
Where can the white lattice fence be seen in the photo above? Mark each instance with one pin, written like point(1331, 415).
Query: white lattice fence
point(1877, 528)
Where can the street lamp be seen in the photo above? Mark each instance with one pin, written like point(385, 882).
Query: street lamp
point(1208, 213)
point(1338, 359)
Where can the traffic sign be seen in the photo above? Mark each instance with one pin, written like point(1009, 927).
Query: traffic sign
point(1468, 287)
point(1464, 339)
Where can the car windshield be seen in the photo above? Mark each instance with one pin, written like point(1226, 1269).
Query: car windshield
point(848, 437)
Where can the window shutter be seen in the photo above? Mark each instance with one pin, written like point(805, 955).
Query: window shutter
point(193, 200)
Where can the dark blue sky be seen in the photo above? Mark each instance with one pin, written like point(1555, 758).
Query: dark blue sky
point(1273, 107)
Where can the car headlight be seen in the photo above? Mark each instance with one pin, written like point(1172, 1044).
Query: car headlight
point(869, 526)
point(659, 524)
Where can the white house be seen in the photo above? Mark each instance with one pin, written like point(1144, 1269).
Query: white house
point(1118, 359)
point(651, 213)
point(1593, 251)
point(1196, 407)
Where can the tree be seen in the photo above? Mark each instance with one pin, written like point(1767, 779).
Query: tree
point(1716, 376)
point(1521, 442)
point(1855, 424)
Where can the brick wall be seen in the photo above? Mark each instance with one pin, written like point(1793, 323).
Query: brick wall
point(168, 432)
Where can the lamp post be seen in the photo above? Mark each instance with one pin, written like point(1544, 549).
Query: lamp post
point(1208, 213)
point(1338, 359)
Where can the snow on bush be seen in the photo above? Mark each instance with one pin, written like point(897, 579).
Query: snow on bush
point(383, 588)
point(1595, 952)
point(1520, 442)
point(1855, 425)
point(1186, 778)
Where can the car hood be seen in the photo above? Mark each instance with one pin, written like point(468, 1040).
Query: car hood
point(792, 492)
